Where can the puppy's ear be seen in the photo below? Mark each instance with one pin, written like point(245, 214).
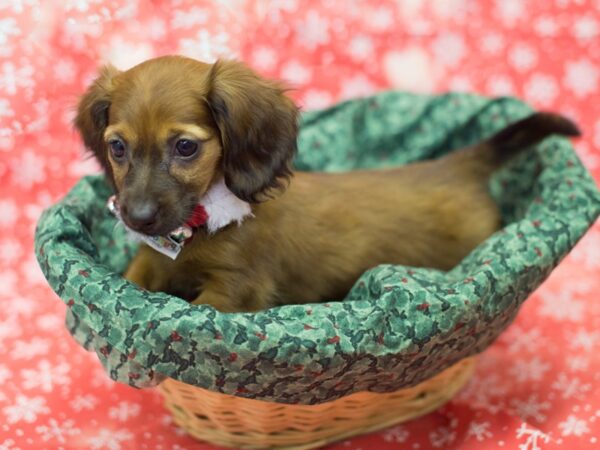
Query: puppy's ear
point(258, 124)
point(92, 114)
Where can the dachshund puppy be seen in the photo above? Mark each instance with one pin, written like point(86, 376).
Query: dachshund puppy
point(168, 129)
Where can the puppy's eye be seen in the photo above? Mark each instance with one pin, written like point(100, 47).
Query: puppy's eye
point(186, 148)
point(117, 148)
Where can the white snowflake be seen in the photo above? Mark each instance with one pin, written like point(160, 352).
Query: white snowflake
point(9, 212)
point(80, 5)
point(509, 11)
point(65, 70)
point(17, 6)
point(156, 28)
point(581, 77)
point(5, 374)
point(360, 47)
point(485, 392)
point(9, 329)
point(49, 322)
point(12, 78)
point(296, 73)
point(397, 434)
point(125, 53)
point(526, 370)
point(10, 251)
point(5, 108)
point(207, 47)
point(541, 89)
point(124, 411)
point(264, 58)
point(586, 27)
point(411, 69)
point(313, 30)
point(8, 283)
point(578, 363)
point(46, 376)
point(545, 26)
point(492, 43)
point(533, 438)
point(521, 340)
point(357, 86)
point(585, 340)
point(596, 134)
point(31, 169)
point(380, 18)
point(500, 85)
point(8, 444)
point(109, 439)
point(560, 305)
point(84, 402)
point(570, 387)
point(40, 122)
point(442, 437)
point(7, 140)
point(450, 8)
point(522, 57)
point(193, 17)
point(29, 349)
point(479, 431)
point(75, 33)
point(25, 409)
point(316, 99)
point(127, 10)
point(449, 49)
point(532, 408)
point(8, 27)
point(57, 431)
point(573, 426)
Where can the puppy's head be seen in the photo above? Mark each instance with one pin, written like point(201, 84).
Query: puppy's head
point(167, 128)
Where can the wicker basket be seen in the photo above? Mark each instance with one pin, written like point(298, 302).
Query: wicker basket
point(252, 424)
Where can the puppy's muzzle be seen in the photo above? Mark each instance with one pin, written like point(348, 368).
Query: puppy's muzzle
point(141, 216)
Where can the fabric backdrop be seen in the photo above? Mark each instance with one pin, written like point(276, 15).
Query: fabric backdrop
point(536, 388)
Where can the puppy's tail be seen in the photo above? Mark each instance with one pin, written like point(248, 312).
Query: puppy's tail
point(519, 135)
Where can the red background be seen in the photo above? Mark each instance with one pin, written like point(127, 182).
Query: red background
point(536, 388)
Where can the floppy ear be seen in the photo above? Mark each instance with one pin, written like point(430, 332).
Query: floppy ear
point(258, 124)
point(92, 114)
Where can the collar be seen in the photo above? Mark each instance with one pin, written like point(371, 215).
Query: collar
point(218, 208)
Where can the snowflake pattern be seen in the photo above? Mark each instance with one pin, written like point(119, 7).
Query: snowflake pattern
point(480, 431)
point(570, 387)
point(533, 438)
point(109, 439)
point(124, 411)
point(397, 434)
point(25, 409)
point(531, 408)
point(56, 431)
point(543, 371)
point(46, 376)
point(526, 370)
point(573, 426)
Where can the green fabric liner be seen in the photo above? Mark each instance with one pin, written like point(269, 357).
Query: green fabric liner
point(397, 327)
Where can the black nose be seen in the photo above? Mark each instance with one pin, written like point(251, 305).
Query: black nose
point(141, 215)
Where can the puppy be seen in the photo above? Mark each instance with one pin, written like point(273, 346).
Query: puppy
point(168, 129)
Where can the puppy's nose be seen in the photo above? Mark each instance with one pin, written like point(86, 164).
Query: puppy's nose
point(142, 215)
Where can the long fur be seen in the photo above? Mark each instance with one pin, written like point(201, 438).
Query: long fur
point(306, 243)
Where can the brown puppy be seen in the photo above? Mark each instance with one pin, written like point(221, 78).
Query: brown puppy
point(167, 129)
